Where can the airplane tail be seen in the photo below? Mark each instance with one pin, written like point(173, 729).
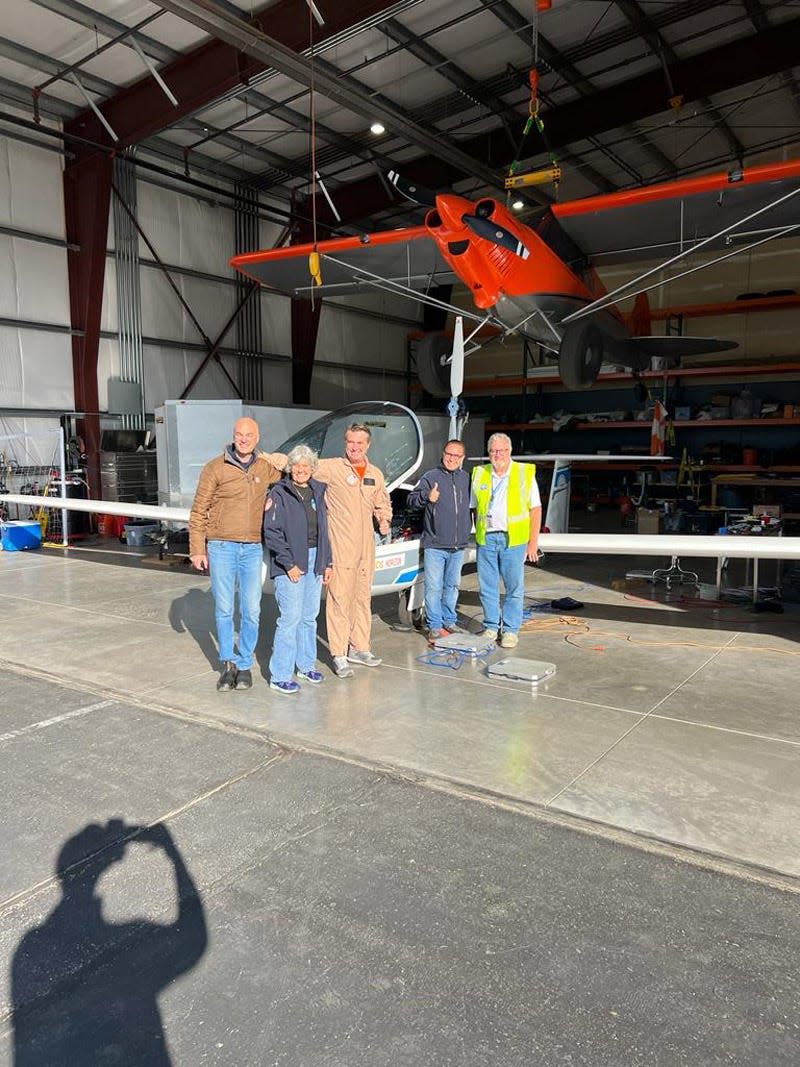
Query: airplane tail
point(636, 351)
point(640, 322)
point(557, 517)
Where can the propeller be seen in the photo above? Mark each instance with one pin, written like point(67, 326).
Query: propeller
point(499, 235)
point(456, 378)
point(417, 194)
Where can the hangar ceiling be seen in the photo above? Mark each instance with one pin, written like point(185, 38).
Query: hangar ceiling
point(630, 91)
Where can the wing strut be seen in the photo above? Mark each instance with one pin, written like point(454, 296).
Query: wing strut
point(391, 286)
point(614, 295)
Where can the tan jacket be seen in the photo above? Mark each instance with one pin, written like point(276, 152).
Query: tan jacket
point(352, 504)
point(229, 502)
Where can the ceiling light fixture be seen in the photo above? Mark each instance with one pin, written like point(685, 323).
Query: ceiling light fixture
point(518, 205)
point(377, 128)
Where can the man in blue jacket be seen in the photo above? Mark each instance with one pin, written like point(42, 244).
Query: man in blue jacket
point(447, 524)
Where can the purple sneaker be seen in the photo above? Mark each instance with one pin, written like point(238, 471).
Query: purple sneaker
point(285, 687)
point(311, 676)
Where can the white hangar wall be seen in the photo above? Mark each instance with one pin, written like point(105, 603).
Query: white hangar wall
point(196, 236)
point(35, 364)
point(361, 341)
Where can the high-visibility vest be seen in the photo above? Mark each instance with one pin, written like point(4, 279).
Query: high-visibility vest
point(520, 482)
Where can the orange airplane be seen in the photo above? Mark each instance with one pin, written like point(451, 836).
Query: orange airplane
point(539, 279)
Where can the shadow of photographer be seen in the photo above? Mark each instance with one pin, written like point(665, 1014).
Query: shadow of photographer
point(85, 990)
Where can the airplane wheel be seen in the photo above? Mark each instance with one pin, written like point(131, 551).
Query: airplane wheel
point(434, 375)
point(581, 355)
point(409, 616)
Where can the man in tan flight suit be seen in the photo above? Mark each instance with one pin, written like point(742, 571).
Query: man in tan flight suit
point(355, 495)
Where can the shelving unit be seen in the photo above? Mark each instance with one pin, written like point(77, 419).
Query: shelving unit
point(489, 386)
point(638, 424)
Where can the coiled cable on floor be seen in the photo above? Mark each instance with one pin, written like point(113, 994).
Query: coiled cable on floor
point(452, 658)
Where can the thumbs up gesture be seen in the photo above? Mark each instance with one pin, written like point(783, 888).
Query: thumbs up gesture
point(433, 496)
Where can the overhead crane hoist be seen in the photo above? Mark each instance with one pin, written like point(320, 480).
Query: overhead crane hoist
point(552, 173)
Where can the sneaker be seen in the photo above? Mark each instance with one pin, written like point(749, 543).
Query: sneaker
point(489, 632)
point(311, 676)
point(509, 640)
point(285, 687)
point(454, 628)
point(364, 659)
point(434, 635)
point(227, 680)
point(341, 667)
point(244, 679)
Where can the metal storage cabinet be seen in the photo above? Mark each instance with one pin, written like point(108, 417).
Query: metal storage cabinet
point(129, 477)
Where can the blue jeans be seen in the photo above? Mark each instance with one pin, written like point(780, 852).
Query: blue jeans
point(495, 561)
point(232, 564)
point(296, 632)
point(442, 575)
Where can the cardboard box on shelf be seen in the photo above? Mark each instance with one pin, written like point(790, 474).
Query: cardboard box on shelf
point(649, 521)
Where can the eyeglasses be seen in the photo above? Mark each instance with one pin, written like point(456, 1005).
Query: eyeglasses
point(454, 455)
point(498, 451)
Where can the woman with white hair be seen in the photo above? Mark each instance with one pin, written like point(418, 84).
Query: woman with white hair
point(296, 534)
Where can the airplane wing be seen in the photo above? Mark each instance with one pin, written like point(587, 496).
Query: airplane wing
point(660, 220)
point(406, 259)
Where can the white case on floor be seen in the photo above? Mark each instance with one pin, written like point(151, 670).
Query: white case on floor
point(515, 669)
point(469, 644)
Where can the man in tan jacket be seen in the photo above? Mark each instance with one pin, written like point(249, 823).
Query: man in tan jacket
point(356, 494)
point(225, 539)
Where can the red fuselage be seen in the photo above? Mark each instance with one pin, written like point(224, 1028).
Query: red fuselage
point(489, 270)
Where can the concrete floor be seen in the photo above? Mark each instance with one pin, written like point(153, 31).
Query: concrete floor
point(663, 753)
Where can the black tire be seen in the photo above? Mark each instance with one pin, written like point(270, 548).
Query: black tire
point(581, 355)
point(409, 616)
point(434, 375)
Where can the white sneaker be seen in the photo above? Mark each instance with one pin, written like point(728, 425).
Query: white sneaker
point(364, 659)
point(509, 640)
point(341, 667)
point(487, 631)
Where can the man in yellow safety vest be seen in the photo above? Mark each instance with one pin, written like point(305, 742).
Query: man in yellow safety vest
point(508, 516)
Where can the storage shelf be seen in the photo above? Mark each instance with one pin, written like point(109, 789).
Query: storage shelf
point(489, 385)
point(639, 424)
point(729, 307)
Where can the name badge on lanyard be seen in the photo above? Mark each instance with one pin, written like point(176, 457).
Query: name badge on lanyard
point(495, 490)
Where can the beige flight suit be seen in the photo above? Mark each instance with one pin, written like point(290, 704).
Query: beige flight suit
point(352, 503)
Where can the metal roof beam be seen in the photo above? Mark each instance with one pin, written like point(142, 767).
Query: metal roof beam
point(760, 20)
point(667, 56)
point(262, 104)
point(201, 77)
point(329, 82)
point(566, 69)
point(37, 61)
point(725, 67)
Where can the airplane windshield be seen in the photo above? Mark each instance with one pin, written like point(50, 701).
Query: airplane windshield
point(396, 446)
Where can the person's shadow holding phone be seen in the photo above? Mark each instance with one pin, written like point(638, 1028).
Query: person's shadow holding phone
point(85, 990)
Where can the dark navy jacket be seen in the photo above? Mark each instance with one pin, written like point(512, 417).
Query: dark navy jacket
point(286, 529)
point(447, 523)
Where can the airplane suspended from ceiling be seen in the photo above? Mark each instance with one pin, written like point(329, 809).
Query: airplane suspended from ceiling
point(539, 279)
